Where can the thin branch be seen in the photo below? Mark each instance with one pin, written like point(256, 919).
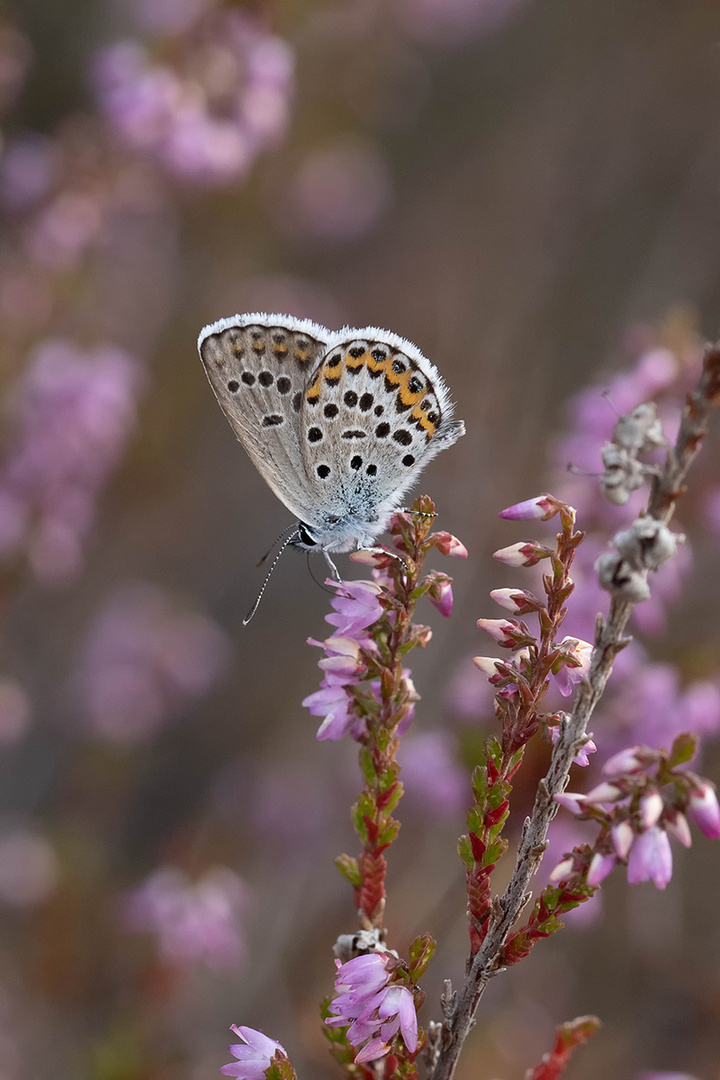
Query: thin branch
point(609, 640)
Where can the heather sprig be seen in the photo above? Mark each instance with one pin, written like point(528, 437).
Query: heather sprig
point(368, 693)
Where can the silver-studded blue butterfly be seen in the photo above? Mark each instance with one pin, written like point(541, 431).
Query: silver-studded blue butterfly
point(340, 424)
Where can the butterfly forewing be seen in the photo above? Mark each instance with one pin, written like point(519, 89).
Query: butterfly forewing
point(259, 367)
point(374, 412)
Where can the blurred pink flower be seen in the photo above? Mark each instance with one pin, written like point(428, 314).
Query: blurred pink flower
point(650, 858)
point(206, 114)
point(29, 869)
point(144, 660)
point(374, 1010)
point(75, 410)
point(196, 922)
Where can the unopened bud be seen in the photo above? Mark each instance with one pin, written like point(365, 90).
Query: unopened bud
point(623, 835)
point(526, 553)
point(541, 507)
point(570, 801)
point(678, 826)
point(622, 763)
point(704, 810)
point(504, 631)
point(651, 808)
point(516, 600)
point(563, 870)
point(450, 545)
point(486, 664)
point(604, 793)
point(600, 867)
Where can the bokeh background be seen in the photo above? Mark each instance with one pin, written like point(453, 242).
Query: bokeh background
point(529, 191)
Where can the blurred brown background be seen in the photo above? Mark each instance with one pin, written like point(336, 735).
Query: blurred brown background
point(512, 198)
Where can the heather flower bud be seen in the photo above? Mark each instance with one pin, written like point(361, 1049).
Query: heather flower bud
point(516, 600)
point(486, 664)
point(450, 545)
point(640, 431)
point(623, 763)
point(650, 858)
point(570, 801)
point(623, 835)
point(704, 811)
point(678, 826)
point(600, 867)
point(563, 870)
point(604, 793)
point(647, 543)
point(651, 808)
point(542, 507)
point(504, 631)
point(622, 579)
point(526, 553)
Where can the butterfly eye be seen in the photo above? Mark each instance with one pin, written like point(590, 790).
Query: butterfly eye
point(305, 537)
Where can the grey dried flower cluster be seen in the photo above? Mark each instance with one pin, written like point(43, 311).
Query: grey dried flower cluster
point(636, 433)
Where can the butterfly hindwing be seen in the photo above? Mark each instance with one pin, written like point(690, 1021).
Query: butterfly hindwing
point(258, 366)
point(375, 411)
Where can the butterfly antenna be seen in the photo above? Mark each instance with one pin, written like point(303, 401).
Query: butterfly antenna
point(256, 605)
point(277, 540)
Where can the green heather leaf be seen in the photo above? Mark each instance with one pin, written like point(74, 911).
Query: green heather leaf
point(395, 798)
point(480, 784)
point(420, 955)
point(389, 777)
point(348, 867)
point(367, 768)
point(465, 851)
point(389, 831)
point(280, 1069)
point(683, 749)
point(494, 852)
point(475, 821)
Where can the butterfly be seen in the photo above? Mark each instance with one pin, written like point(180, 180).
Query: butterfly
point(339, 424)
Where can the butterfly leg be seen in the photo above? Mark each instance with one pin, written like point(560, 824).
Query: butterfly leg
point(333, 568)
point(386, 553)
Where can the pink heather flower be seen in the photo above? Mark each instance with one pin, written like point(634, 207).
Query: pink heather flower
point(604, 793)
point(562, 870)
point(441, 597)
point(600, 867)
point(542, 507)
point(623, 836)
point(487, 664)
point(574, 665)
point(356, 607)
point(704, 811)
point(650, 858)
point(581, 758)
point(623, 763)
point(254, 1054)
point(374, 1010)
point(195, 921)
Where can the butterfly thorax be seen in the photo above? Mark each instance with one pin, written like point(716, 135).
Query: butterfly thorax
point(339, 534)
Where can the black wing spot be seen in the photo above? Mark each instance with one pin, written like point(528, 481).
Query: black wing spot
point(332, 380)
point(334, 361)
point(403, 436)
point(415, 385)
point(233, 386)
point(382, 430)
point(366, 402)
point(357, 352)
point(266, 378)
point(354, 433)
point(356, 462)
point(248, 378)
point(398, 367)
point(323, 471)
point(351, 399)
point(284, 385)
point(273, 420)
point(371, 470)
point(379, 410)
point(278, 338)
point(433, 417)
point(256, 335)
point(314, 434)
point(378, 354)
point(331, 411)
point(297, 401)
point(408, 460)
